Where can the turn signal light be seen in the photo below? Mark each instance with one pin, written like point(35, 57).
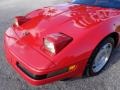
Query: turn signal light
point(72, 68)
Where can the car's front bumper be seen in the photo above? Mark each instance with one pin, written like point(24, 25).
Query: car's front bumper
point(30, 71)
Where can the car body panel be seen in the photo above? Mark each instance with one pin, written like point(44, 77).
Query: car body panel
point(87, 25)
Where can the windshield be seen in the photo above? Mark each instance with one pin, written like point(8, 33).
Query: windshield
point(100, 3)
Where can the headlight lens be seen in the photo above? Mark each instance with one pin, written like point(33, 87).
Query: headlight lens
point(55, 42)
point(49, 45)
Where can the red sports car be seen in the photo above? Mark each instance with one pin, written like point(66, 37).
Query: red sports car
point(63, 41)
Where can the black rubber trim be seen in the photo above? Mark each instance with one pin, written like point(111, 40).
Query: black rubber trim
point(36, 77)
point(40, 77)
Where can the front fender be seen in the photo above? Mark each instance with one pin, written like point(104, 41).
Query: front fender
point(80, 49)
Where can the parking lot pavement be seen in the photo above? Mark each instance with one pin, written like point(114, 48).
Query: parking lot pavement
point(9, 80)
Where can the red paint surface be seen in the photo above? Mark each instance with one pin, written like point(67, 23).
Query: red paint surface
point(87, 25)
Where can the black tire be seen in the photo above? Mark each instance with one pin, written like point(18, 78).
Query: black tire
point(89, 71)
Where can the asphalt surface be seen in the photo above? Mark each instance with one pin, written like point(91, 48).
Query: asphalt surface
point(10, 80)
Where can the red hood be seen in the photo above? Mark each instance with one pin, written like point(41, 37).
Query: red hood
point(70, 19)
point(50, 19)
point(82, 16)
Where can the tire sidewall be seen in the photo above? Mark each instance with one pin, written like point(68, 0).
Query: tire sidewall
point(90, 71)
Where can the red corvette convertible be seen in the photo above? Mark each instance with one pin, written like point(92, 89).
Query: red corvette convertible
point(63, 41)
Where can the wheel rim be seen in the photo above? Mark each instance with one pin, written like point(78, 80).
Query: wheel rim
point(102, 57)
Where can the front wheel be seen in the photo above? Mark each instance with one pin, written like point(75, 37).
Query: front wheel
point(100, 57)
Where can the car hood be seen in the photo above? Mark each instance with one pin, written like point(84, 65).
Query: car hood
point(71, 19)
point(51, 19)
point(81, 16)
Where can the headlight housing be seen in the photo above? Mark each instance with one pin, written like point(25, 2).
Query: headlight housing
point(54, 43)
point(19, 20)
